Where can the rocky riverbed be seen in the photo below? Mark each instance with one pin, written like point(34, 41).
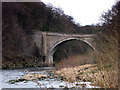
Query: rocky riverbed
point(37, 78)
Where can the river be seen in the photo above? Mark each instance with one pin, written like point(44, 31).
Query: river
point(45, 83)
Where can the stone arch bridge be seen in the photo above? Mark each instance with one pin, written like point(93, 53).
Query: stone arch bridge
point(48, 42)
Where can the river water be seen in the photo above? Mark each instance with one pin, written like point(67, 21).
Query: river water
point(45, 83)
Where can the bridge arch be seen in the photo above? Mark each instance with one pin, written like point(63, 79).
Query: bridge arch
point(56, 45)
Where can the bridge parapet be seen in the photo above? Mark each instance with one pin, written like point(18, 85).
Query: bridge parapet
point(60, 34)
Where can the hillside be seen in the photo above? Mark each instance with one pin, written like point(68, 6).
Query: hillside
point(19, 18)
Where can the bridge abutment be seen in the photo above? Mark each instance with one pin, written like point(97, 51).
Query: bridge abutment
point(49, 60)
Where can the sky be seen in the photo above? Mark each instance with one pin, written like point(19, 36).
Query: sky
point(84, 12)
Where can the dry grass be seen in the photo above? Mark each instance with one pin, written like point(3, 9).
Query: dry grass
point(106, 79)
point(71, 73)
point(108, 56)
point(77, 60)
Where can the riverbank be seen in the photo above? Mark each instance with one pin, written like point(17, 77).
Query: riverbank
point(20, 62)
point(99, 76)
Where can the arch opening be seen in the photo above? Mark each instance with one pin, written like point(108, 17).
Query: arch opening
point(58, 45)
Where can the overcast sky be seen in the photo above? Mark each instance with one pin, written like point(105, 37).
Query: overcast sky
point(85, 12)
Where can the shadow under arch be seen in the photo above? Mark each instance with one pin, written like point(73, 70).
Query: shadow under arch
point(55, 47)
